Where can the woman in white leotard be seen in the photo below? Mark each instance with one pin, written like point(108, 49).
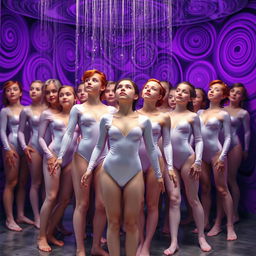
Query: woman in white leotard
point(16, 171)
point(87, 117)
point(239, 118)
point(29, 117)
point(213, 120)
point(187, 165)
point(122, 179)
point(153, 93)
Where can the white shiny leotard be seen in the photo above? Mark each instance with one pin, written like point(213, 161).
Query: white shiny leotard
point(57, 130)
point(27, 116)
point(210, 132)
point(157, 132)
point(180, 139)
point(122, 162)
point(241, 119)
point(89, 128)
point(10, 126)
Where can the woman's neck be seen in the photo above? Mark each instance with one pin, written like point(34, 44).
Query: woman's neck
point(149, 107)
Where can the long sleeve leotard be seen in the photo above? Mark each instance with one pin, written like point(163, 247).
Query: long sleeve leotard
point(180, 138)
point(122, 162)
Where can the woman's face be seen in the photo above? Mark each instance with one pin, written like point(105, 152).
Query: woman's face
point(109, 93)
point(236, 94)
point(182, 94)
point(171, 99)
point(198, 100)
point(35, 91)
point(125, 91)
point(51, 93)
point(151, 91)
point(81, 93)
point(66, 97)
point(215, 93)
point(13, 93)
point(93, 84)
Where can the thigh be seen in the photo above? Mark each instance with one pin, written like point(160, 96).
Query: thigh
point(234, 161)
point(79, 166)
point(11, 173)
point(35, 166)
point(133, 195)
point(66, 185)
point(191, 184)
point(111, 194)
point(173, 191)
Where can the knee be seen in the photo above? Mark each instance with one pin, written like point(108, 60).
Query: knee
point(36, 185)
point(10, 184)
point(131, 225)
point(82, 206)
point(63, 202)
point(152, 206)
point(51, 197)
point(99, 206)
point(222, 191)
point(175, 201)
point(194, 202)
point(114, 224)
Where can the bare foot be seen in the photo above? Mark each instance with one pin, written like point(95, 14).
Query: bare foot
point(13, 226)
point(24, 219)
point(43, 245)
point(205, 247)
point(144, 251)
point(231, 234)
point(37, 223)
point(55, 241)
point(215, 230)
point(99, 251)
point(171, 250)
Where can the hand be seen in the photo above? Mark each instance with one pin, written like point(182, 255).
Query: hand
point(173, 177)
point(10, 158)
point(161, 184)
point(27, 151)
point(85, 178)
point(50, 163)
point(195, 171)
point(220, 166)
point(56, 165)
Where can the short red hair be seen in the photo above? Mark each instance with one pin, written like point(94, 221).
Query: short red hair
point(162, 90)
point(225, 88)
point(90, 73)
point(6, 86)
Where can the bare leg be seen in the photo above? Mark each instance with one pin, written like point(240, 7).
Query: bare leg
point(99, 220)
point(174, 211)
point(36, 180)
point(234, 161)
point(205, 181)
point(82, 195)
point(191, 186)
point(226, 200)
point(133, 196)
point(11, 180)
point(65, 194)
point(51, 189)
point(21, 193)
point(112, 200)
point(152, 200)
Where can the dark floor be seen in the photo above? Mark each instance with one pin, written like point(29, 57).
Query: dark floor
point(24, 243)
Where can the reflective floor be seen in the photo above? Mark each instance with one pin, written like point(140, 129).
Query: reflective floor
point(24, 243)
